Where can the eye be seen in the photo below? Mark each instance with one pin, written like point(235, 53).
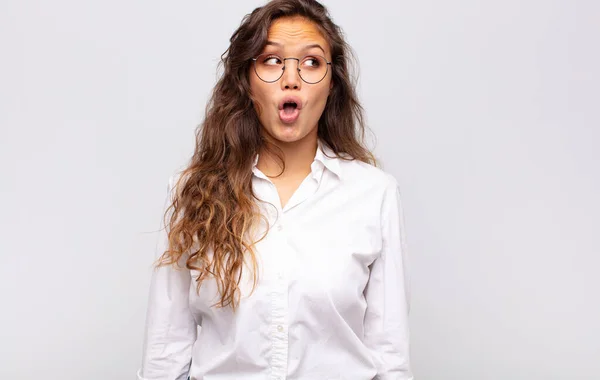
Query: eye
point(312, 62)
point(271, 60)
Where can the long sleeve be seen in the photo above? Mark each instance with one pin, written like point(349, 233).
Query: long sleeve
point(388, 294)
point(170, 327)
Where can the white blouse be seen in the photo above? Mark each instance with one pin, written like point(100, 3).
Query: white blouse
point(332, 298)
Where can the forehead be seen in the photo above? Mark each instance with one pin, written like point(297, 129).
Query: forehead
point(295, 32)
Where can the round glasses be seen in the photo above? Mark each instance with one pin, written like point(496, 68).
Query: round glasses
point(311, 68)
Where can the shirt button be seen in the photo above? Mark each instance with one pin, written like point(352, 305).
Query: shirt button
point(280, 328)
point(279, 227)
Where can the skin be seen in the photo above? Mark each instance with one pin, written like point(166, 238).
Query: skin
point(298, 141)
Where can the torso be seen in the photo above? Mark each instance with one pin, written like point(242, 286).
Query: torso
point(309, 304)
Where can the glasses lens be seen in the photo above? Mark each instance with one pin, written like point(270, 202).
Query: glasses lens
point(313, 68)
point(269, 67)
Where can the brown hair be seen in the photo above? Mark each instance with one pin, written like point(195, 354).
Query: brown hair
point(214, 208)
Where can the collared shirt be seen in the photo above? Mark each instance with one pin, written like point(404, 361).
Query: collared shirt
point(332, 298)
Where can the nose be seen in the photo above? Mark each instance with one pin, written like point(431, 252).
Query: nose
point(291, 74)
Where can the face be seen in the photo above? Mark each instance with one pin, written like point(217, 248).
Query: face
point(292, 37)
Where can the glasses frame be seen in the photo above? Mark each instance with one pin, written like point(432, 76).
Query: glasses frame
point(297, 67)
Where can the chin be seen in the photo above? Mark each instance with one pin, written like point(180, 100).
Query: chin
point(287, 132)
point(288, 138)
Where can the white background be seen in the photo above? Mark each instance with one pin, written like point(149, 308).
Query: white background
point(487, 113)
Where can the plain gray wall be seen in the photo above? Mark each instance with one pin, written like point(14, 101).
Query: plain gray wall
point(487, 113)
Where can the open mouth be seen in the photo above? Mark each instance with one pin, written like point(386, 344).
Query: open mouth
point(289, 107)
point(289, 111)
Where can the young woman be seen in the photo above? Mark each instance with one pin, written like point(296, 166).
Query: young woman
point(284, 241)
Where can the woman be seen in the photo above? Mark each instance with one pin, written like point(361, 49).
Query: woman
point(285, 241)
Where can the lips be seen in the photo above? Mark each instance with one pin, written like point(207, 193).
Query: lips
point(290, 99)
point(289, 109)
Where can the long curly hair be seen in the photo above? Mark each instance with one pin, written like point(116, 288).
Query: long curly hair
point(214, 209)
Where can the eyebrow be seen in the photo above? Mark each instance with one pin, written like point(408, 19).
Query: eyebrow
point(306, 47)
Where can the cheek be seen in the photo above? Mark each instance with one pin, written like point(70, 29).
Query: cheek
point(320, 97)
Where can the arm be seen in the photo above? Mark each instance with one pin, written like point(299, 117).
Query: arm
point(170, 327)
point(388, 295)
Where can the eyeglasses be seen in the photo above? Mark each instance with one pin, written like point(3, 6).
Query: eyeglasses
point(311, 68)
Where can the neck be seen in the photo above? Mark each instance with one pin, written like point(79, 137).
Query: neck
point(297, 155)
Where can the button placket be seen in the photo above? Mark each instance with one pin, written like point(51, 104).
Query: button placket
point(279, 308)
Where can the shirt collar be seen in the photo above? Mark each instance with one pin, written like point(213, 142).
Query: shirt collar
point(324, 156)
point(328, 158)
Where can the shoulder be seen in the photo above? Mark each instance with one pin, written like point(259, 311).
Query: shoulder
point(366, 175)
